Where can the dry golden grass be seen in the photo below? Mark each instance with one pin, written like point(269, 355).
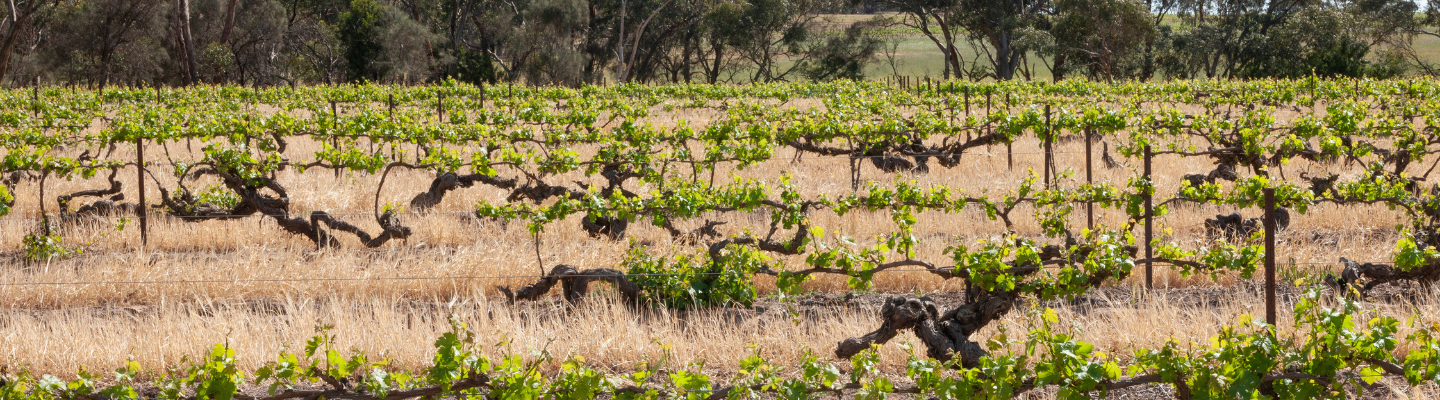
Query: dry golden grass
point(610, 337)
point(248, 283)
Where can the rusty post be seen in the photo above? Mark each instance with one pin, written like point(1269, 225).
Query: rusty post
point(1270, 256)
point(140, 177)
point(1149, 217)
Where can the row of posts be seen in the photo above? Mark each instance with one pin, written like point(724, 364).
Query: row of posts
point(140, 148)
point(1048, 142)
point(1269, 218)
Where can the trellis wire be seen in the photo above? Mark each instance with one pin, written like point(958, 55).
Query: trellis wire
point(417, 278)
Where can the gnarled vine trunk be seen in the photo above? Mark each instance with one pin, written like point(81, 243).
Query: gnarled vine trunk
point(575, 284)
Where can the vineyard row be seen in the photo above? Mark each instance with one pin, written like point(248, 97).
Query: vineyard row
point(530, 141)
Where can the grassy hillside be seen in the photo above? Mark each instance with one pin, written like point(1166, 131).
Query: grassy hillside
point(911, 53)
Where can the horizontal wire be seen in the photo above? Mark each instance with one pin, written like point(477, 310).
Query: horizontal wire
point(241, 215)
point(230, 216)
point(959, 154)
point(837, 156)
point(234, 216)
point(427, 278)
point(1336, 262)
point(402, 278)
point(13, 218)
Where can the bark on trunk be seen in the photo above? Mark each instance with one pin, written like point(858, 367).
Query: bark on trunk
point(229, 22)
point(576, 284)
point(17, 24)
point(188, 40)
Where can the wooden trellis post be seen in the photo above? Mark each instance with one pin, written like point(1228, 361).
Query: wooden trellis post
point(1048, 149)
point(1149, 217)
point(140, 177)
point(1089, 180)
point(335, 127)
point(967, 110)
point(440, 107)
point(1009, 147)
point(1270, 256)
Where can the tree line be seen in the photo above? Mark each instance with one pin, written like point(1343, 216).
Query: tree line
point(574, 42)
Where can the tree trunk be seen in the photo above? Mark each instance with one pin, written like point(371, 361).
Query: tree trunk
point(1004, 59)
point(685, 56)
point(229, 21)
point(629, 65)
point(1058, 71)
point(179, 42)
point(620, 58)
point(188, 40)
point(1147, 70)
point(16, 25)
point(946, 46)
point(713, 75)
point(952, 55)
point(455, 25)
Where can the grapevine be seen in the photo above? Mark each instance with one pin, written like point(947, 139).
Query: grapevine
point(593, 155)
